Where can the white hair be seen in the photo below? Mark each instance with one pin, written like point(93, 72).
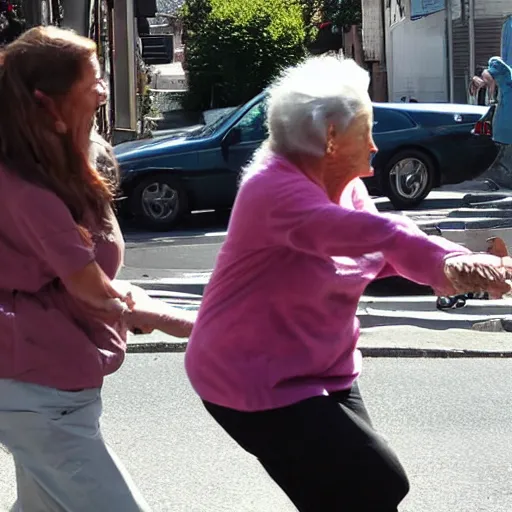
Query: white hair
point(309, 97)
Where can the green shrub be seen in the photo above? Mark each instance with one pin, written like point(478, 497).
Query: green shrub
point(235, 47)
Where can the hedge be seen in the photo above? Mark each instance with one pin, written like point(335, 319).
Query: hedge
point(233, 48)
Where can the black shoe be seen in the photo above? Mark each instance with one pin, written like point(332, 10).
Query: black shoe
point(455, 302)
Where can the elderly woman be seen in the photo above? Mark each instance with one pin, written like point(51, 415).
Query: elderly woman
point(273, 351)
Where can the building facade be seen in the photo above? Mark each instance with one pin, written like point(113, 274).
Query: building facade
point(431, 58)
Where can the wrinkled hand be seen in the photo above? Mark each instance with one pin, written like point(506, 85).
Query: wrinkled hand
point(479, 273)
point(108, 311)
point(147, 314)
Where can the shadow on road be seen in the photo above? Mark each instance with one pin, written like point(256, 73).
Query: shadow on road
point(435, 203)
point(397, 286)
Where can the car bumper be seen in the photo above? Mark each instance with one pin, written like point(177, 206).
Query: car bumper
point(470, 161)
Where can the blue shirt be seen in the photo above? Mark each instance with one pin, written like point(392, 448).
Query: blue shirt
point(506, 41)
point(502, 123)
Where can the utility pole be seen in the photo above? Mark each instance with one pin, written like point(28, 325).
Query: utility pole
point(125, 72)
point(374, 46)
point(449, 37)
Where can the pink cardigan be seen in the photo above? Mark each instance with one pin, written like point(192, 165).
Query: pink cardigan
point(278, 320)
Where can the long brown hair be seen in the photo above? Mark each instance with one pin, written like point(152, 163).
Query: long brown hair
point(49, 61)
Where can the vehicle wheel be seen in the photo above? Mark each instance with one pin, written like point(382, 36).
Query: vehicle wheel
point(409, 177)
point(159, 202)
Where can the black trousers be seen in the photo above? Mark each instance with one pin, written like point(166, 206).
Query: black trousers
point(322, 452)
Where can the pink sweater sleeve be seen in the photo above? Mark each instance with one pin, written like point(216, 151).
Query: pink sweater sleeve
point(363, 202)
point(51, 231)
point(304, 219)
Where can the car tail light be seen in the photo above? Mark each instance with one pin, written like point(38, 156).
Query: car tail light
point(483, 127)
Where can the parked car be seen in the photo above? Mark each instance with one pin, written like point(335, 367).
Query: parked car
point(421, 146)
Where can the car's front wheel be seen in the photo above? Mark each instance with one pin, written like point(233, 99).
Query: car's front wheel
point(408, 179)
point(159, 202)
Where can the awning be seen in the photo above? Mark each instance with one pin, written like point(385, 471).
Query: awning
point(422, 8)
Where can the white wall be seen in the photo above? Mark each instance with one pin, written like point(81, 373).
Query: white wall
point(417, 59)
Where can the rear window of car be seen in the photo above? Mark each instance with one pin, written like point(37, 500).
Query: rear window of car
point(386, 120)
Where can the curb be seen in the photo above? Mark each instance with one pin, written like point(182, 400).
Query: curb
point(418, 353)
point(177, 285)
point(381, 352)
point(156, 347)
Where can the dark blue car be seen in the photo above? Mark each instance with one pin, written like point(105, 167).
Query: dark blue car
point(421, 146)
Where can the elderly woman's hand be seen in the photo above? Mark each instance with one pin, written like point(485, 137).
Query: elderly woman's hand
point(155, 314)
point(479, 273)
point(147, 314)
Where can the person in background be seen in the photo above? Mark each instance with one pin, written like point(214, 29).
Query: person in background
point(63, 320)
point(273, 354)
point(497, 78)
point(102, 157)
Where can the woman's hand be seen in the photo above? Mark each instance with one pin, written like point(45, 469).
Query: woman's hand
point(97, 295)
point(147, 314)
point(475, 85)
point(479, 273)
point(154, 314)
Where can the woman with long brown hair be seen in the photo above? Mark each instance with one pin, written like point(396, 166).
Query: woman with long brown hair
point(63, 323)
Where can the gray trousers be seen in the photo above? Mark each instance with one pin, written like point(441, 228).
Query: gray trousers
point(62, 461)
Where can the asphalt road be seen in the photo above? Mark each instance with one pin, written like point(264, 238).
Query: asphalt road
point(448, 419)
point(190, 248)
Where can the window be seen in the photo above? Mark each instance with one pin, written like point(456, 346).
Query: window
point(386, 120)
point(252, 126)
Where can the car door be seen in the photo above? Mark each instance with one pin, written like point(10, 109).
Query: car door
point(240, 143)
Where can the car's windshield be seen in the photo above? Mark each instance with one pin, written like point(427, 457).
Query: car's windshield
point(211, 128)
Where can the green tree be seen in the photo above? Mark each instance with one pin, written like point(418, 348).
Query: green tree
point(343, 13)
point(235, 47)
point(12, 21)
point(311, 15)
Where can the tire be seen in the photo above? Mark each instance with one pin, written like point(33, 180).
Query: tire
point(404, 195)
point(158, 202)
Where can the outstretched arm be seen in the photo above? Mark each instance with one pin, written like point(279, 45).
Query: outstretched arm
point(304, 219)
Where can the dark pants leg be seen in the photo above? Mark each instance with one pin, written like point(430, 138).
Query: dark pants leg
point(323, 453)
point(500, 171)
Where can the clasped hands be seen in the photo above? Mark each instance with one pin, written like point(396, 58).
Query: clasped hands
point(480, 272)
point(142, 315)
